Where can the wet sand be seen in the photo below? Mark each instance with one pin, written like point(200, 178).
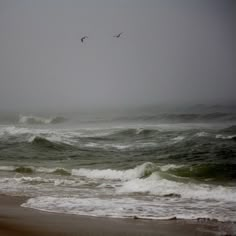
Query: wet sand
point(17, 221)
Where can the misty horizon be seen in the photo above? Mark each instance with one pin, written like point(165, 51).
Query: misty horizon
point(170, 52)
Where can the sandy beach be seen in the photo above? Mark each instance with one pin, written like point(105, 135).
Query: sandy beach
point(16, 220)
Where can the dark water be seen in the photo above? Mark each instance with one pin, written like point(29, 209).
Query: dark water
point(148, 165)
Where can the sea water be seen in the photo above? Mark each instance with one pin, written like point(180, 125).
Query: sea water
point(146, 166)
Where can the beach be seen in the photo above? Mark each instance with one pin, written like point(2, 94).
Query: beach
point(16, 220)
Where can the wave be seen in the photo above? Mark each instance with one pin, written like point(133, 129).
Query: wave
point(133, 133)
point(220, 136)
point(203, 172)
point(155, 184)
point(113, 138)
point(201, 134)
point(41, 142)
point(7, 168)
point(33, 169)
point(146, 178)
point(141, 171)
point(23, 169)
point(214, 172)
point(37, 136)
point(138, 172)
point(14, 131)
point(40, 120)
point(187, 117)
point(141, 192)
point(229, 130)
point(168, 167)
point(178, 139)
point(17, 181)
point(193, 197)
point(119, 146)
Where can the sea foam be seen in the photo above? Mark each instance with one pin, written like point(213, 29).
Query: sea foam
point(40, 120)
point(138, 172)
point(156, 185)
point(131, 208)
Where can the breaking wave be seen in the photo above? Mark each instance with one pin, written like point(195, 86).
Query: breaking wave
point(145, 178)
point(142, 192)
point(155, 184)
point(40, 120)
point(167, 199)
point(138, 172)
point(207, 172)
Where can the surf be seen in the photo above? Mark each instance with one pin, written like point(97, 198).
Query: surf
point(38, 120)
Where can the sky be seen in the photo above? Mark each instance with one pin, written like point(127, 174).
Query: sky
point(171, 51)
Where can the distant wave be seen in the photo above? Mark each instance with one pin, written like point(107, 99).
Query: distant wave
point(177, 117)
point(41, 142)
point(230, 130)
point(40, 120)
point(36, 136)
point(138, 132)
point(195, 117)
point(228, 133)
point(134, 144)
point(229, 137)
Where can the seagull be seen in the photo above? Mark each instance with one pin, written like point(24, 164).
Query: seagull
point(118, 35)
point(83, 38)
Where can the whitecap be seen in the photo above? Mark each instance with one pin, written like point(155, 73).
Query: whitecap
point(123, 175)
point(201, 134)
point(161, 187)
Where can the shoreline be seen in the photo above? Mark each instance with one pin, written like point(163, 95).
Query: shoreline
point(16, 221)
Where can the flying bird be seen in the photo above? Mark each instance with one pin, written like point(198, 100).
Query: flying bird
point(118, 35)
point(83, 38)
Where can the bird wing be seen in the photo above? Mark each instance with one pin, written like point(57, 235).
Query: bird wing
point(118, 35)
point(83, 38)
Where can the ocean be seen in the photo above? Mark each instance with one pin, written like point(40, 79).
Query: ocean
point(157, 165)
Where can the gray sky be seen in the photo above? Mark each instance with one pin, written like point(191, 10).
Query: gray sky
point(171, 51)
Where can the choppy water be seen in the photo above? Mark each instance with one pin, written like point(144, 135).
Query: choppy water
point(154, 167)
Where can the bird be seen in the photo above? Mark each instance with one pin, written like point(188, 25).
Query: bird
point(83, 38)
point(118, 35)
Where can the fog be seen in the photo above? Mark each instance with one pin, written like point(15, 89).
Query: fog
point(171, 51)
